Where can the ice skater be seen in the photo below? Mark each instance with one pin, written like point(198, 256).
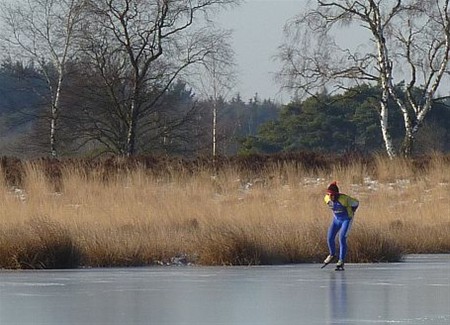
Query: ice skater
point(343, 208)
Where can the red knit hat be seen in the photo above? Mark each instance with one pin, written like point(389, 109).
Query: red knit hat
point(333, 188)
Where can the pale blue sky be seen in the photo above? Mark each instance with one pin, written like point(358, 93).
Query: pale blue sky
point(257, 32)
point(257, 27)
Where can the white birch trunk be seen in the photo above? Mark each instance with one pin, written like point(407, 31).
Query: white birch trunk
point(54, 116)
point(214, 131)
point(131, 136)
point(214, 121)
point(386, 82)
point(384, 123)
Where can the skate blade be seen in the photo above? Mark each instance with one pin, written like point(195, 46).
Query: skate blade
point(324, 265)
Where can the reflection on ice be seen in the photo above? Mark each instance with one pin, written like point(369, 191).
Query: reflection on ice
point(416, 291)
point(337, 298)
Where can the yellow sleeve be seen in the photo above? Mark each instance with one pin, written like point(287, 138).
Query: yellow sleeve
point(349, 204)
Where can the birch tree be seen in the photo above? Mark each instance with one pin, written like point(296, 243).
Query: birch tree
point(149, 43)
point(408, 43)
point(217, 79)
point(43, 32)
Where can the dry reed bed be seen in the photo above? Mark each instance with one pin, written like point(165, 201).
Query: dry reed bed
point(274, 215)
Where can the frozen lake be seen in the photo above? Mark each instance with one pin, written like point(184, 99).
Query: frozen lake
point(416, 291)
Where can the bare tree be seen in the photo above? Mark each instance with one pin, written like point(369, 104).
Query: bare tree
point(139, 48)
point(217, 78)
point(43, 31)
point(408, 41)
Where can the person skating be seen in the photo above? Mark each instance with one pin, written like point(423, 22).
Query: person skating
point(343, 208)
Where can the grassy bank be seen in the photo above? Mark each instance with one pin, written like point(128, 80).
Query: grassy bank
point(72, 213)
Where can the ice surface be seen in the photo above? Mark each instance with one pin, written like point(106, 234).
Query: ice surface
point(416, 291)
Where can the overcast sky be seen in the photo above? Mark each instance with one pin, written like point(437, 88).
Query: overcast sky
point(257, 32)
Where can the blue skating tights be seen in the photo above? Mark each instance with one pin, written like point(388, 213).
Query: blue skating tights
point(342, 226)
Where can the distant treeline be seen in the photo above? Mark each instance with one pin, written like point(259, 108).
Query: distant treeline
point(178, 124)
point(346, 122)
point(181, 124)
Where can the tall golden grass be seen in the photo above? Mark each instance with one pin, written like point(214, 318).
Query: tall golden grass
point(273, 214)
